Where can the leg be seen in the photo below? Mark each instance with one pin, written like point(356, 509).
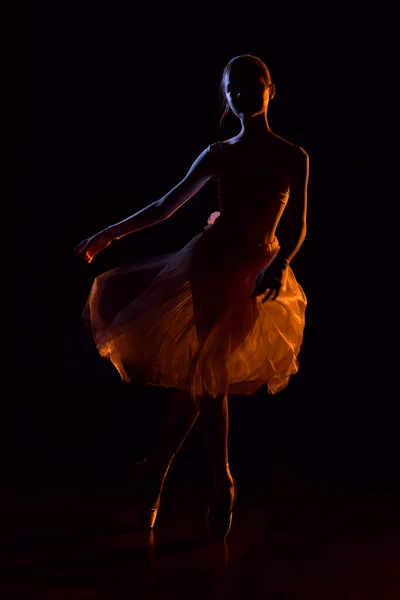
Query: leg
point(214, 417)
point(181, 416)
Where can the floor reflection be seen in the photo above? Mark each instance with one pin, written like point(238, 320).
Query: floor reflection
point(289, 540)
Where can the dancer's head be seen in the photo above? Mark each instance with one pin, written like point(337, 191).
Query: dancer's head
point(246, 87)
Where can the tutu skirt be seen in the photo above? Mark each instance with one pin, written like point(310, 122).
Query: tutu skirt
point(185, 320)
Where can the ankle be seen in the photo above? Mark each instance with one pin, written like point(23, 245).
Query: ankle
point(222, 476)
point(159, 463)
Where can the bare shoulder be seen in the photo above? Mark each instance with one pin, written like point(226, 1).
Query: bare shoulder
point(216, 152)
point(271, 146)
point(223, 145)
point(292, 150)
point(216, 146)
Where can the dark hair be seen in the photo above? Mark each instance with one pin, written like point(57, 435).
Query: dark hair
point(254, 65)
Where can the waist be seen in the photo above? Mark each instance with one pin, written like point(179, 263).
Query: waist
point(240, 236)
point(234, 242)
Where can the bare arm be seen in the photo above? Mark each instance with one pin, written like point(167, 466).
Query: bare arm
point(162, 209)
point(291, 233)
point(292, 227)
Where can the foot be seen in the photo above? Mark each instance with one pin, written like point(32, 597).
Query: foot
point(220, 510)
point(151, 477)
point(223, 483)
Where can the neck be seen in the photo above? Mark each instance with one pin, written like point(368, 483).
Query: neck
point(254, 126)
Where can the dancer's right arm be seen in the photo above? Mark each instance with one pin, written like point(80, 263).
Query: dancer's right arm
point(200, 172)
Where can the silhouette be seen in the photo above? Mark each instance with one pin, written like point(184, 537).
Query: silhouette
point(225, 314)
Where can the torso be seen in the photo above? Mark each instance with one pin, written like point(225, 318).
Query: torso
point(254, 178)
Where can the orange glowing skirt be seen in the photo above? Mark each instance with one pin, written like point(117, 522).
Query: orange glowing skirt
point(185, 320)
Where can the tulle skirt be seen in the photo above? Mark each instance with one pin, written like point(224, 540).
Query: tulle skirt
point(185, 319)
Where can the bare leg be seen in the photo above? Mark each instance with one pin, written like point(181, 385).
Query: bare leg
point(214, 416)
point(181, 416)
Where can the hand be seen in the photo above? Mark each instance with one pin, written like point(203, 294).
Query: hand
point(272, 279)
point(93, 245)
point(211, 220)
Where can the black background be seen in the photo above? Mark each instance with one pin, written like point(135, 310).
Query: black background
point(123, 100)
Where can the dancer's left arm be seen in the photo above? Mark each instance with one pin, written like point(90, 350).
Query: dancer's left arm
point(291, 232)
point(160, 210)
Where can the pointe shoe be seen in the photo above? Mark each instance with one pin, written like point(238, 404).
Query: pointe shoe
point(148, 508)
point(219, 516)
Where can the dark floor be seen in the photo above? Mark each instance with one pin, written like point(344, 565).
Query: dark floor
point(290, 539)
point(317, 514)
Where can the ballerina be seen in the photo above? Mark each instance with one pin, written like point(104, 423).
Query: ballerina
point(225, 314)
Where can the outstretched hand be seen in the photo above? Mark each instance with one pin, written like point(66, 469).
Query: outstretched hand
point(270, 280)
point(88, 248)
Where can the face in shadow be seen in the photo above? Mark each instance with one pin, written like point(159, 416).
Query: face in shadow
point(246, 91)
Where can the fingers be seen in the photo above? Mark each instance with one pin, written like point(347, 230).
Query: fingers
point(272, 293)
point(256, 291)
point(88, 255)
point(82, 252)
point(80, 248)
point(275, 294)
point(85, 251)
point(267, 296)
